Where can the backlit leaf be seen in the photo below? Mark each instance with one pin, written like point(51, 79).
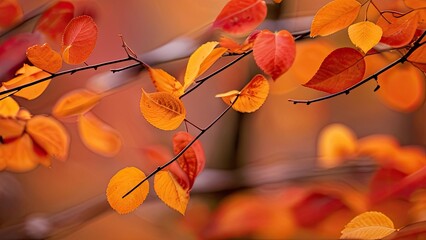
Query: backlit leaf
point(25, 75)
point(165, 82)
point(368, 225)
point(45, 58)
point(274, 53)
point(79, 39)
point(334, 16)
point(54, 20)
point(341, 69)
point(98, 136)
point(400, 31)
point(170, 191)
point(193, 159)
point(418, 58)
point(365, 35)
point(8, 107)
point(11, 128)
point(251, 97)
point(241, 16)
point(335, 143)
point(211, 59)
point(75, 102)
point(10, 13)
point(195, 61)
point(162, 110)
point(415, 4)
point(121, 183)
point(50, 135)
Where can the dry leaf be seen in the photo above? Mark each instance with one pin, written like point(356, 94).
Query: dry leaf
point(75, 102)
point(365, 35)
point(45, 58)
point(170, 191)
point(368, 225)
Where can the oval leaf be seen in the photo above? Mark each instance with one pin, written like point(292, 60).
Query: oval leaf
point(241, 16)
point(170, 191)
point(45, 58)
point(400, 31)
point(368, 225)
point(162, 110)
point(365, 35)
point(164, 82)
point(11, 128)
point(98, 136)
point(79, 39)
point(334, 17)
point(341, 69)
point(274, 53)
point(76, 102)
point(50, 135)
point(121, 183)
point(10, 13)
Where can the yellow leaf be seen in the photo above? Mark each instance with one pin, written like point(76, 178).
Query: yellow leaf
point(45, 58)
point(98, 136)
point(28, 74)
point(8, 107)
point(164, 82)
point(170, 192)
point(211, 59)
point(121, 183)
point(50, 135)
point(195, 61)
point(368, 225)
point(334, 17)
point(365, 35)
point(162, 110)
point(10, 128)
point(76, 102)
point(251, 97)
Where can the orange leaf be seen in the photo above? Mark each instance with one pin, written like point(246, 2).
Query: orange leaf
point(241, 16)
point(400, 31)
point(335, 143)
point(50, 135)
point(98, 136)
point(76, 102)
point(165, 82)
point(162, 110)
point(234, 47)
point(334, 16)
point(122, 182)
point(8, 107)
point(54, 20)
point(368, 225)
point(418, 57)
point(211, 59)
point(365, 35)
point(45, 58)
point(79, 39)
point(11, 128)
point(251, 97)
point(193, 159)
point(415, 4)
point(10, 13)
point(341, 69)
point(170, 191)
point(274, 53)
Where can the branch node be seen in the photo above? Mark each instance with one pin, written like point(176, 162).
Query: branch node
point(377, 88)
point(347, 92)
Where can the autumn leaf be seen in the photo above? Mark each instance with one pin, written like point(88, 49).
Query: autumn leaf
point(26, 75)
point(10, 13)
point(162, 110)
point(45, 58)
point(211, 59)
point(170, 191)
point(79, 39)
point(120, 184)
point(98, 136)
point(334, 16)
point(250, 98)
point(10, 128)
point(275, 52)
point(241, 16)
point(75, 102)
point(50, 135)
point(340, 70)
point(234, 47)
point(418, 58)
point(365, 35)
point(368, 225)
point(8, 107)
point(400, 31)
point(165, 82)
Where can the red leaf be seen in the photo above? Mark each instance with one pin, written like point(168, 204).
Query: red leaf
point(274, 53)
point(53, 21)
point(400, 31)
point(241, 16)
point(340, 70)
point(10, 13)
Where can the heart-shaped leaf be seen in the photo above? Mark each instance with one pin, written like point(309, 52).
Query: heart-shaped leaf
point(365, 35)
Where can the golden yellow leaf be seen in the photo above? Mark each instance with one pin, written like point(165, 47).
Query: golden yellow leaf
point(98, 136)
point(195, 61)
point(368, 225)
point(365, 35)
point(26, 75)
point(44, 57)
point(50, 135)
point(75, 102)
point(251, 97)
point(335, 143)
point(162, 110)
point(121, 183)
point(24, 114)
point(8, 107)
point(10, 128)
point(170, 192)
point(211, 59)
point(334, 16)
point(165, 82)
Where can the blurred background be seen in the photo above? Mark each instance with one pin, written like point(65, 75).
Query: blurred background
point(265, 158)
